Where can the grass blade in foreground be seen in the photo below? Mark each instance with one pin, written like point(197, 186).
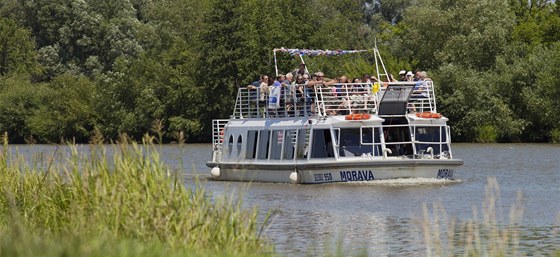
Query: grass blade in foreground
point(132, 205)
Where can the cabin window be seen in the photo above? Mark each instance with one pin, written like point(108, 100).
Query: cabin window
point(398, 140)
point(251, 149)
point(431, 137)
point(263, 144)
point(359, 141)
point(322, 146)
point(276, 144)
point(230, 144)
point(290, 137)
point(239, 144)
point(302, 142)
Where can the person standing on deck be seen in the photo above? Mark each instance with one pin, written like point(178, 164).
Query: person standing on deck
point(317, 81)
point(301, 71)
point(275, 95)
point(409, 76)
point(287, 88)
point(258, 92)
point(402, 75)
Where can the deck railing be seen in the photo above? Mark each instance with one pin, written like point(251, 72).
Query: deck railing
point(218, 131)
point(346, 98)
point(341, 99)
point(293, 101)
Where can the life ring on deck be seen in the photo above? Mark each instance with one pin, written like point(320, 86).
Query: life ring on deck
point(428, 115)
point(358, 116)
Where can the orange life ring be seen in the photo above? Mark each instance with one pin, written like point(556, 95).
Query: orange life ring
point(358, 116)
point(428, 115)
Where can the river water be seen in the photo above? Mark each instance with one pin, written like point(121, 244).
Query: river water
point(384, 218)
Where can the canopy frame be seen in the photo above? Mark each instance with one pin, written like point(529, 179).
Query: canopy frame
point(312, 52)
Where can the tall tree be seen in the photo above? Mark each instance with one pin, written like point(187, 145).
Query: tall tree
point(17, 50)
point(468, 33)
point(82, 37)
point(222, 50)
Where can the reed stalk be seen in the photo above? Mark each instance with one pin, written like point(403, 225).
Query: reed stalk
point(129, 203)
point(488, 233)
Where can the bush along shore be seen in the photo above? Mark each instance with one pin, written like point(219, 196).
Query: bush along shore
point(127, 204)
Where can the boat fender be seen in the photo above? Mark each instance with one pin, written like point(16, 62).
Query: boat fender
point(215, 172)
point(295, 177)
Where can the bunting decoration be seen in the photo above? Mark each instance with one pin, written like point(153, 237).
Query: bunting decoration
point(311, 52)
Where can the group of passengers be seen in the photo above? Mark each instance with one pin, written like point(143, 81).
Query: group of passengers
point(294, 93)
point(409, 76)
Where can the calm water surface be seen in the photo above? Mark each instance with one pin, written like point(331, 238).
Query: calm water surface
point(383, 217)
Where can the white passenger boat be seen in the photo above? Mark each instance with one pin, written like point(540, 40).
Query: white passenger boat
point(358, 132)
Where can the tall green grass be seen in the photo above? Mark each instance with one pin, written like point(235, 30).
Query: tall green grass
point(127, 204)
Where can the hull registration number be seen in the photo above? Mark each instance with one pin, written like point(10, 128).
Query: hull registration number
point(320, 177)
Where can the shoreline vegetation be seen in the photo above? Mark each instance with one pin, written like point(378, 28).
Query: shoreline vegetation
point(128, 204)
point(70, 67)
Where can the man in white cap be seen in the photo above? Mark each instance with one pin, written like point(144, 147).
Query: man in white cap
point(402, 75)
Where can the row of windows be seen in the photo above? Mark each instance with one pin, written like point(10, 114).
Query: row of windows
point(349, 142)
point(292, 144)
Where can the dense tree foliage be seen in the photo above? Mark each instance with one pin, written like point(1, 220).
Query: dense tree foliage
point(72, 67)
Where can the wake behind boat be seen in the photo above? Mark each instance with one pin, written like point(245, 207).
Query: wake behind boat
point(321, 132)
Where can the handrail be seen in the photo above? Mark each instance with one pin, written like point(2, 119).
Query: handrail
point(300, 100)
point(218, 132)
point(346, 98)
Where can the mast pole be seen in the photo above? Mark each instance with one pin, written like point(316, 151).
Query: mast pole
point(302, 61)
point(377, 56)
point(275, 63)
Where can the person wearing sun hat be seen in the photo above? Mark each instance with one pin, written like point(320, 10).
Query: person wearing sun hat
point(402, 76)
point(409, 76)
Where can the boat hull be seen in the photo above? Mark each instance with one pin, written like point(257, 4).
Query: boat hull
point(340, 171)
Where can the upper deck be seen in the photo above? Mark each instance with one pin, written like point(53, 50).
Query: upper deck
point(390, 99)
